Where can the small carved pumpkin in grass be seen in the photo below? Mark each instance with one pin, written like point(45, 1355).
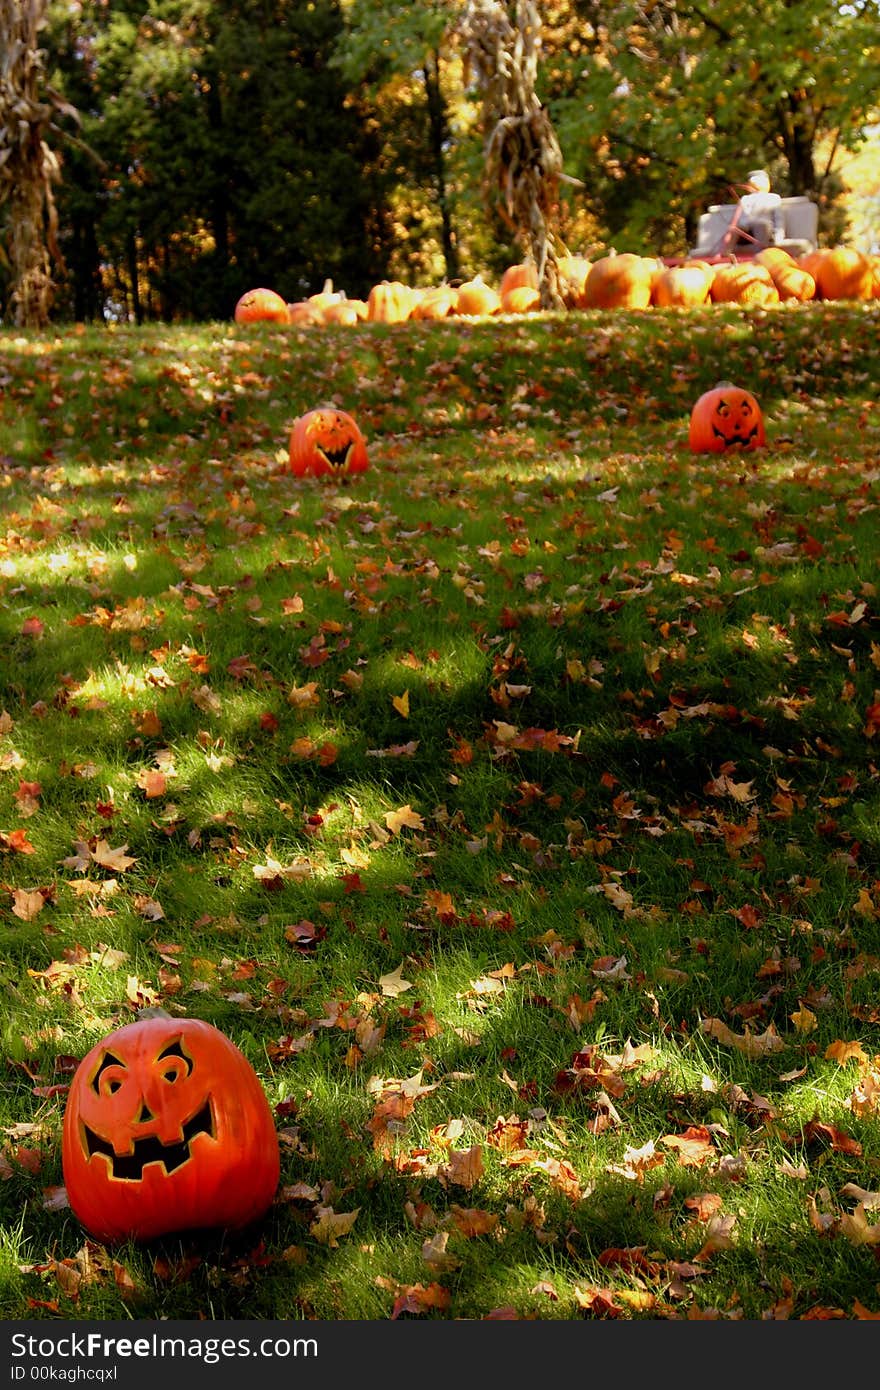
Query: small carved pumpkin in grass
point(326, 440)
point(726, 417)
point(261, 306)
point(167, 1128)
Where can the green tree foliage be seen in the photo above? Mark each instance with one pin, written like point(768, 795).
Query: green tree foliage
point(663, 105)
point(235, 156)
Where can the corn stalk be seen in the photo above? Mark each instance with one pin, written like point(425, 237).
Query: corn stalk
point(29, 166)
point(523, 161)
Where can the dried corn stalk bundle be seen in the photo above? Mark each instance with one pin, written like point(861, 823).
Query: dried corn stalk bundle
point(28, 165)
point(523, 158)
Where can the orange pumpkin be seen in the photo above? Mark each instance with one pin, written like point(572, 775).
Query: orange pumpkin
point(726, 417)
point(261, 306)
point(619, 282)
point(435, 303)
point(844, 273)
point(476, 299)
point(521, 299)
point(743, 282)
point(167, 1128)
point(524, 274)
point(390, 302)
point(344, 311)
point(326, 440)
point(683, 286)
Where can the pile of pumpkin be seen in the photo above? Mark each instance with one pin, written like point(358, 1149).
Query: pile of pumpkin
point(625, 281)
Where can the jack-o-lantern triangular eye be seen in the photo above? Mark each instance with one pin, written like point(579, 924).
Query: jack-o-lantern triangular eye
point(114, 1083)
point(174, 1054)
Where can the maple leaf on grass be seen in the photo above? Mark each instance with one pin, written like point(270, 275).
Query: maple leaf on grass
point(751, 1044)
point(329, 1225)
point(115, 859)
point(394, 983)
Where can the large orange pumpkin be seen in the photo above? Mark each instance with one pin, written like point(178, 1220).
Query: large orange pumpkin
point(726, 417)
point(326, 440)
point(844, 273)
point(167, 1128)
point(619, 282)
point(683, 286)
point(390, 302)
point(524, 273)
point(743, 282)
point(261, 306)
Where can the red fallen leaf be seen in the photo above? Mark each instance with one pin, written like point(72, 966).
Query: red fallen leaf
point(631, 1259)
point(16, 840)
point(818, 1133)
point(420, 1298)
point(353, 883)
point(471, 1221)
point(599, 1302)
point(240, 667)
point(864, 1314)
point(152, 782)
point(27, 792)
point(747, 916)
point(268, 722)
point(304, 934)
point(507, 1313)
point(32, 627)
point(694, 1147)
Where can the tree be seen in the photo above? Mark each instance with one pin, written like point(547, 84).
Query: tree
point(29, 167)
point(523, 157)
point(393, 48)
point(667, 103)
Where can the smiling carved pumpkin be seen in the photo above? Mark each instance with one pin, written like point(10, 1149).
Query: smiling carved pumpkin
point(327, 441)
point(727, 417)
point(167, 1128)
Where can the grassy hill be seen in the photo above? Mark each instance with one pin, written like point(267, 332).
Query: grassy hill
point(513, 806)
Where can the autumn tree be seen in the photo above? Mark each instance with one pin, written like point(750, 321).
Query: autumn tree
point(661, 107)
point(29, 166)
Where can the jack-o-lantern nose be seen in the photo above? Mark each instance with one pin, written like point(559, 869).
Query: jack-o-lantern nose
point(145, 1115)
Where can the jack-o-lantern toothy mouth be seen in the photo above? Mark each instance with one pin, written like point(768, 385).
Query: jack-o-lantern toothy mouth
point(130, 1167)
point(729, 440)
point(335, 458)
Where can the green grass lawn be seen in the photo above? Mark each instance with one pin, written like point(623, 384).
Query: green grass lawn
point(514, 807)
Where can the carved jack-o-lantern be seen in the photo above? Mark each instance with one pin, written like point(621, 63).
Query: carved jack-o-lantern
point(167, 1128)
point(327, 441)
point(261, 306)
point(727, 417)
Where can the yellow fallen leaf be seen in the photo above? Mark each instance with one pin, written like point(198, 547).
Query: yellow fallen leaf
point(403, 816)
point(752, 1044)
point(401, 703)
point(394, 983)
point(804, 1020)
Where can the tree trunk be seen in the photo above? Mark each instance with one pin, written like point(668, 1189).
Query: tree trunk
point(438, 127)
